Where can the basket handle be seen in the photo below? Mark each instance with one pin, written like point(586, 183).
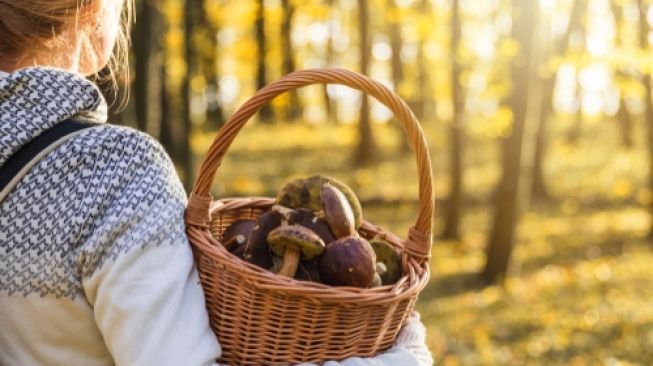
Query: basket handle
point(419, 238)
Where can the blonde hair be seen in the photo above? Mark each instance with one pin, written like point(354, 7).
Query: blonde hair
point(26, 24)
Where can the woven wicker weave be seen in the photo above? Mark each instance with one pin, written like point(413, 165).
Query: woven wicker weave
point(261, 318)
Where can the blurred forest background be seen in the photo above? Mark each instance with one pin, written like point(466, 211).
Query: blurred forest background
point(540, 123)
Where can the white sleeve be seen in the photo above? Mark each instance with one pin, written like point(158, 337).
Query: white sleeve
point(138, 272)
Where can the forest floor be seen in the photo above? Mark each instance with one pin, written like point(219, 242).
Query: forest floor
point(579, 286)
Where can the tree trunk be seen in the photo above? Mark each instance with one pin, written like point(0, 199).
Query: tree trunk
point(456, 133)
point(208, 63)
point(293, 109)
point(502, 232)
point(425, 99)
point(646, 81)
point(114, 94)
point(623, 117)
point(577, 128)
point(329, 104)
point(539, 189)
point(265, 115)
point(167, 128)
point(396, 65)
point(191, 15)
point(148, 60)
point(366, 152)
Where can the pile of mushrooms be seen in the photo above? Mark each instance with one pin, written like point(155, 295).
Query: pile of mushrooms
point(311, 235)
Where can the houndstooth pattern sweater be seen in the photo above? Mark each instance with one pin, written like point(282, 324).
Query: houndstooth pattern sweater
point(95, 267)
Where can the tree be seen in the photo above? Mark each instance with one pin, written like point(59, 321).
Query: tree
point(329, 104)
point(539, 189)
point(396, 45)
point(207, 50)
point(294, 109)
point(366, 151)
point(265, 115)
point(505, 216)
point(425, 100)
point(646, 81)
point(192, 12)
point(623, 117)
point(148, 56)
point(456, 134)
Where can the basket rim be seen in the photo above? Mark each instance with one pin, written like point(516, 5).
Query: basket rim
point(409, 285)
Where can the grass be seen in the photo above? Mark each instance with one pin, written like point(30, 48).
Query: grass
point(578, 291)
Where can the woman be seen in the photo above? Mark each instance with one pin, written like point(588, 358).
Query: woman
point(95, 267)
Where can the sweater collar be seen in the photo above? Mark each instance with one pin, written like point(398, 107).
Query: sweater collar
point(33, 100)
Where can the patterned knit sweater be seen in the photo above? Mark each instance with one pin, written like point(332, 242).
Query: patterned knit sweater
point(95, 267)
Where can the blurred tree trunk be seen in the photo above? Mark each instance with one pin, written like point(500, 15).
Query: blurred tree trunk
point(577, 128)
point(396, 44)
point(623, 117)
point(425, 102)
point(646, 81)
point(539, 189)
point(208, 64)
point(147, 40)
point(366, 152)
point(456, 134)
point(114, 94)
point(265, 115)
point(502, 232)
point(329, 103)
point(192, 15)
point(294, 108)
point(167, 128)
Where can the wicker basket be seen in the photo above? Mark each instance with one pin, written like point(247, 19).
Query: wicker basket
point(261, 318)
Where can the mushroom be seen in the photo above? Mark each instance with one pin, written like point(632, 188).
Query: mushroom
point(337, 212)
point(308, 219)
point(308, 271)
point(306, 193)
point(390, 257)
point(381, 269)
point(376, 281)
point(292, 243)
point(237, 234)
point(348, 261)
point(294, 194)
point(256, 250)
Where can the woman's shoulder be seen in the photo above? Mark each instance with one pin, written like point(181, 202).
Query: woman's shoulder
point(112, 144)
point(127, 155)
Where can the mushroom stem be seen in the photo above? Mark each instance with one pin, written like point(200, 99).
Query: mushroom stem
point(290, 262)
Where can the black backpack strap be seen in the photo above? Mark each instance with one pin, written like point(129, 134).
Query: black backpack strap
point(20, 163)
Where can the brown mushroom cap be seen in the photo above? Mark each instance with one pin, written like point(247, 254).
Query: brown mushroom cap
point(348, 261)
point(391, 259)
point(320, 180)
point(308, 219)
point(257, 250)
point(294, 236)
point(337, 211)
point(294, 242)
point(237, 234)
point(305, 193)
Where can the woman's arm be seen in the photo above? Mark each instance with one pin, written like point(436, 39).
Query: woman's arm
point(136, 264)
